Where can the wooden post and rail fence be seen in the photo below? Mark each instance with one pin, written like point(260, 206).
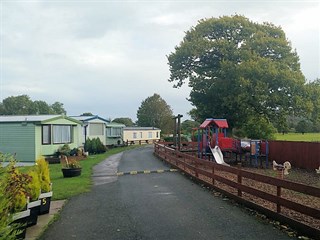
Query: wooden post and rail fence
point(235, 183)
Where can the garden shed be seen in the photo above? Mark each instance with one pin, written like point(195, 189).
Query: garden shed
point(93, 127)
point(31, 136)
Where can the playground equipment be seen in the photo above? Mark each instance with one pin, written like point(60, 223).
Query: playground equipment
point(218, 156)
point(258, 150)
point(282, 169)
point(212, 140)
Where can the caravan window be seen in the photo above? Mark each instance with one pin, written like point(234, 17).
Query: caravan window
point(96, 129)
point(61, 134)
point(46, 134)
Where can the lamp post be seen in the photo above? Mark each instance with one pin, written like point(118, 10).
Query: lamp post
point(177, 129)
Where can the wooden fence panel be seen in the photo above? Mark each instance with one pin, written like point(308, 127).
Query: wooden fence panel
point(195, 167)
point(304, 155)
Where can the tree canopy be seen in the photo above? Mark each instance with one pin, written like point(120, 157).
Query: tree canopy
point(124, 120)
point(187, 126)
point(86, 114)
point(313, 94)
point(155, 112)
point(239, 70)
point(23, 105)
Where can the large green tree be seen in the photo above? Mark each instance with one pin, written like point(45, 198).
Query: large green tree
point(187, 126)
point(124, 120)
point(57, 108)
point(239, 70)
point(19, 105)
point(23, 105)
point(155, 112)
point(313, 92)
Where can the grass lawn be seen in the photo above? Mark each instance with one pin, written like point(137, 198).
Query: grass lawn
point(307, 137)
point(64, 188)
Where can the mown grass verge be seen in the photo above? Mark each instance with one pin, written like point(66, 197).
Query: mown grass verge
point(306, 137)
point(64, 188)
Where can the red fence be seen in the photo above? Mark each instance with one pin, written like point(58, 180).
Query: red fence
point(300, 154)
point(238, 184)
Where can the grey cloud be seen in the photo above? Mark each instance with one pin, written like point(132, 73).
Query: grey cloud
point(96, 55)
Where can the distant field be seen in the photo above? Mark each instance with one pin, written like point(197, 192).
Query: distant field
point(307, 137)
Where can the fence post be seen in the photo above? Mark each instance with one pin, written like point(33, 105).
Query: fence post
point(212, 174)
point(278, 196)
point(196, 167)
point(239, 181)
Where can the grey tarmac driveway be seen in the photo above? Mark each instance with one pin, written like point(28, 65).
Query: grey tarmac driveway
point(154, 206)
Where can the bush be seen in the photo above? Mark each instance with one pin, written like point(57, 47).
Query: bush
point(94, 146)
point(16, 188)
point(5, 218)
point(88, 145)
point(64, 150)
point(34, 185)
point(100, 147)
point(170, 139)
point(44, 174)
point(74, 152)
point(259, 128)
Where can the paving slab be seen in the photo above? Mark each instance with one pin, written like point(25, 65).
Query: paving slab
point(43, 220)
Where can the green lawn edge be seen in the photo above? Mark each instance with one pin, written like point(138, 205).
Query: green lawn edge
point(65, 188)
point(298, 137)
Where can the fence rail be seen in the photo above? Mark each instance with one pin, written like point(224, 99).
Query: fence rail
point(304, 155)
point(236, 179)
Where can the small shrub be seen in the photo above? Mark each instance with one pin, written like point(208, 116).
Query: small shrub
point(100, 147)
point(44, 174)
point(95, 146)
point(73, 164)
point(34, 185)
point(16, 188)
point(13, 197)
point(88, 145)
point(5, 218)
point(74, 152)
point(64, 150)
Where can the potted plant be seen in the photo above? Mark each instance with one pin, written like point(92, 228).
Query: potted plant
point(64, 151)
point(70, 168)
point(16, 192)
point(8, 230)
point(34, 192)
point(45, 185)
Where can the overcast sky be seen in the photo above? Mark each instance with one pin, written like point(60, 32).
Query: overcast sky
point(106, 57)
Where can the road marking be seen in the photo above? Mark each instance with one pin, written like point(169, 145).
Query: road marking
point(146, 172)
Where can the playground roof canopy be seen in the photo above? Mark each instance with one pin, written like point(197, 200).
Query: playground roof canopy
point(221, 123)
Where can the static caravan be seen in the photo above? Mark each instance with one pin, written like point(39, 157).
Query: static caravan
point(92, 127)
point(31, 136)
point(114, 134)
point(140, 135)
